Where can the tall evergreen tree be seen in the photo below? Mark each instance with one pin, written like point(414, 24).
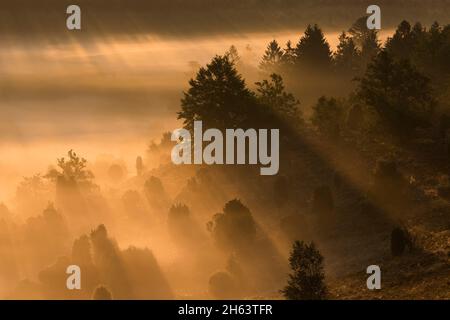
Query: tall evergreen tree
point(233, 55)
point(346, 57)
point(289, 54)
point(313, 51)
point(219, 97)
point(272, 58)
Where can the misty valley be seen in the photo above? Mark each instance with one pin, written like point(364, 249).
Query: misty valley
point(220, 150)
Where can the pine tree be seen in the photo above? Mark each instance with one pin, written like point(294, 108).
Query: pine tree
point(219, 97)
point(272, 58)
point(346, 57)
point(289, 54)
point(313, 51)
point(233, 55)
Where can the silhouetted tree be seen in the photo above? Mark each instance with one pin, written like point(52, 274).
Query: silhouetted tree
point(289, 57)
point(346, 57)
point(431, 52)
point(72, 169)
point(273, 95)
point(313, 51)
point(400, 95)
point(218, 96)
point(233, 55)
point(306, 282)
point(272, 58)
